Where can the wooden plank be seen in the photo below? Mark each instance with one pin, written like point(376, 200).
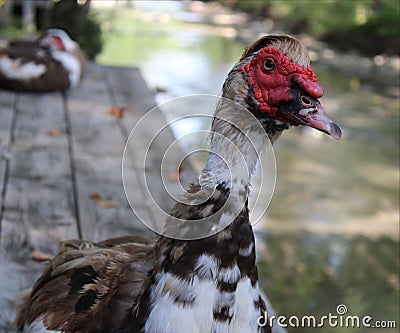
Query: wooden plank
point(98, 148)
point(6, 119)
point(38, 205)
point(16, 274)
point(128, 89)
point(39, 191)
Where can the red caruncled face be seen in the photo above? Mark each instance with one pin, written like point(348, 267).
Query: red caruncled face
point(287, 91)
point(270, 74)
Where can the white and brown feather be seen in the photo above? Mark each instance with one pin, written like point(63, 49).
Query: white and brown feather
point(195, 283)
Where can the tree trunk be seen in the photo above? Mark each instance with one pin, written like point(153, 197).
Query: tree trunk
point(28, 16)
point(5, 12)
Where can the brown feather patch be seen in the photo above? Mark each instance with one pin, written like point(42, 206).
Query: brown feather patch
point(87, 279)
point(289, 45)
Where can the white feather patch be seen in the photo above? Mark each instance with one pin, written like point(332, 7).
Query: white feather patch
point(245, 252)
point(227, 218)
point(244, 312)
point(229, 275)
point(225, 300)
point(71, 64)
point(168, 316)
point(206, 266)
point(38, 327)
point(13, 69)
point(219, 327)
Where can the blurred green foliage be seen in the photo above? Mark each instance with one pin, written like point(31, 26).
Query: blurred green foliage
point(309, 274)
point(89, 36)
point(371, 26)
point(79, 23)
point(13, 30)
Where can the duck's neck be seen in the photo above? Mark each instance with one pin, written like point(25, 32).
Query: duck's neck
point(237, 140)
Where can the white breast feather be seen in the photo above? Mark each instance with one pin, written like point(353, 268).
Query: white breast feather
point(230, 274)
point(246, 295)
point(169, 316)
point(13, 69)
point(206, 266)
point(244, 314)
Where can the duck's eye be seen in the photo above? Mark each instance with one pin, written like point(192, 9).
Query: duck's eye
point(268, 65)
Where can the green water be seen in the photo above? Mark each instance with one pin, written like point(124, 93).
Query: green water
point(331, 233)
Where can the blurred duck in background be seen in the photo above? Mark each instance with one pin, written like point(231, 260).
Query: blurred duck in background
point(52, 62)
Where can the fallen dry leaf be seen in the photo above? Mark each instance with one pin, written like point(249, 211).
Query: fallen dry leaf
point(108, 203)
point(117, 111)
point(95, 196)
point(40, 256)
point(54, 133)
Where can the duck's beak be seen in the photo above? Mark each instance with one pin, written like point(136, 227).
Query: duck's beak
point(317, 118)
point(306, 110)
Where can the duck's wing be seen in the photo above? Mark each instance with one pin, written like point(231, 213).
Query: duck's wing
point(89, 287)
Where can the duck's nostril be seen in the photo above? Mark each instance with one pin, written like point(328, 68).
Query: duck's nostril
point(305, 100)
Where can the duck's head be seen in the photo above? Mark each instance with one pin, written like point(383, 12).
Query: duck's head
point(57, 39)
point(276, 82)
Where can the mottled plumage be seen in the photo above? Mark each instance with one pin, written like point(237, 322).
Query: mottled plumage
point(204, 285)
point(86, 279)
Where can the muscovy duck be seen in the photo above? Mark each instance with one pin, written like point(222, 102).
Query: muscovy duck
point(129, 284)
point(52, 62)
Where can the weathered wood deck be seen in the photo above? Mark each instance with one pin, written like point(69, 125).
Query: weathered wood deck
point(58, 153)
